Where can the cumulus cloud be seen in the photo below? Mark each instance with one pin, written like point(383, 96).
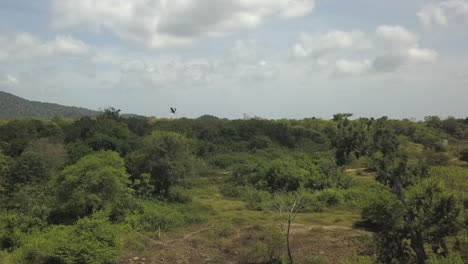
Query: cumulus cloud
point(399, 47)
point(169, 72)
point(396, 35)
point(351, 67)
point(316, 45)
point(356, 53)
point(439, 13)
point(25, 46)
point(166, 23)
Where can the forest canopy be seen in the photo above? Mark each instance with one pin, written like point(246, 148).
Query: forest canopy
point(81, 190)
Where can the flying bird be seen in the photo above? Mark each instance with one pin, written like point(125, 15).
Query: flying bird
point(173, 110)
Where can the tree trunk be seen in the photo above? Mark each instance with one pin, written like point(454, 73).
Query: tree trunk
point(417, 242)
point(287, 241)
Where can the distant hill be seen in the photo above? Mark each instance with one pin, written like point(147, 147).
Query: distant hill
point(14, 106)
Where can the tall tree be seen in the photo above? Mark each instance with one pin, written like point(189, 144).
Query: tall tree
point(377, 140)
point(165, 156)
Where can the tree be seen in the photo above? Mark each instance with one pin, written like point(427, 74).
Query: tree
point(29, 168)
point(452, 127)
point(433, 122)
point(165, 156)
point(288, 206)
point(96, 182)
point(436, 214)
point(91, 240)
point(5, 168)
point(76, 151)
point(54, 154)
point(377, 140)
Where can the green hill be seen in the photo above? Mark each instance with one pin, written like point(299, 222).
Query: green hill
point(14, 106)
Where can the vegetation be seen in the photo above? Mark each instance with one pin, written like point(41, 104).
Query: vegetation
point(112, 189)
point(13, 106)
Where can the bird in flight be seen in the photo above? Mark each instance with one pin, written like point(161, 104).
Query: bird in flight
point(173, 110)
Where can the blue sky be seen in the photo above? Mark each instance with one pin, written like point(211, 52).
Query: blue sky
point(269, 58)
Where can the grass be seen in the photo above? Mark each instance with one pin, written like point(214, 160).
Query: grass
point(232, 230)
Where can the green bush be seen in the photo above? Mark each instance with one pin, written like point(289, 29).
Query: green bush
point(362, 260)
point(311, 204)
point(451, 259)
point(330, 197)
point(257, 199)
point(155, 215)
point(97, 182)
point(91, 241)
point(462, 244)
point(178, 194)
point(232, 191)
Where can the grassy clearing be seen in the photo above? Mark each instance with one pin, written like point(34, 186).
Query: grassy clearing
point(233, 233)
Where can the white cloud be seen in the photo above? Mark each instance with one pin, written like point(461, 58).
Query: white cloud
point(316, 45)
point(356, 53)
point(396, 35)
point(297, 8)
point(420, 55)
point(399, 47)
point(256, 72)
point(169, 72)
point(347, 67)
point(25, 46)
point(440, 13)
point(165, 23)
point(431, 15)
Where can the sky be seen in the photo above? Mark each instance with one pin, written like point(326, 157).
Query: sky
point(267, 58)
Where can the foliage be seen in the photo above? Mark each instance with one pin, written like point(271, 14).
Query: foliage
point(165, 157)
point(54, 154)
point(464, 155)
point(288, 175)
point(14, 106)
point(97, 182)
point(91, 241)
point(154, 216)
point(451, 259)
point(141, 172)
point(76, 151)
point(29, 168)
point(437, 214)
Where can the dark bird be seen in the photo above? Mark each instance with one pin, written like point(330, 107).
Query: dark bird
point(173, 110)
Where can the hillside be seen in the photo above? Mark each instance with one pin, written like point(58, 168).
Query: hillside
point(14, 106)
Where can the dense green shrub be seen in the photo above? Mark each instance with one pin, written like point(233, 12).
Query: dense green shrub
point(166, 157)
point(97, 182)
point(330, 197)
point(156, 215)
point(451, 259)
point(311, 203)
point(90, 241)
point(76, 151)
point(29, 168)
point(257, 199)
